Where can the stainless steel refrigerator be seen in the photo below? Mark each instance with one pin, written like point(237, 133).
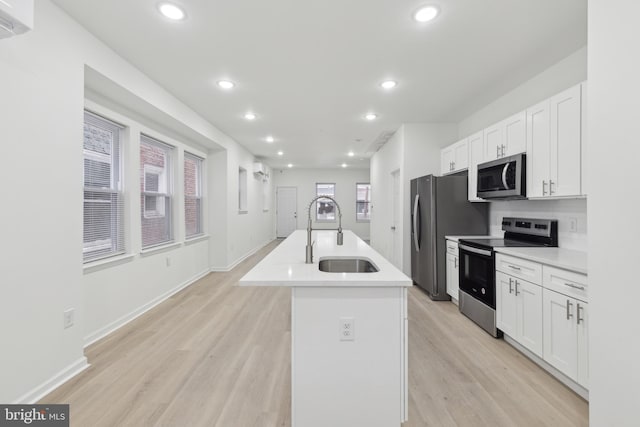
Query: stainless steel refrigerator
point(439, 207)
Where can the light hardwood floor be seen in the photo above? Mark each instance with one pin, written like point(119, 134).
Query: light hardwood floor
point(216, 354)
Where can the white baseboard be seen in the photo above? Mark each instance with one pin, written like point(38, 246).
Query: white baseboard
point(118, 323)
point(54, 382)
point(242, 258)
point(577, 388)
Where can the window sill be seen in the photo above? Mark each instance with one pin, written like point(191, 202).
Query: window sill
point(196, 239)
point(241, 212)
point(101, 264)
point(161, 248)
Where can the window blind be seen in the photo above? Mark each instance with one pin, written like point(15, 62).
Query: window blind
point(103, 221)
point(193, 195)
point(156, 184)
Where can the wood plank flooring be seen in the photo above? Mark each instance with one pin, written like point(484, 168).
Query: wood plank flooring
point(216, 354)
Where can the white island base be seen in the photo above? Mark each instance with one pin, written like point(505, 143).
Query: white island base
point(348, 331)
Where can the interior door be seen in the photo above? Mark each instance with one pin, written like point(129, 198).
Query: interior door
point(286, 210)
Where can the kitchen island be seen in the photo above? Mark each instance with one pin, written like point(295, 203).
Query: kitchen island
point(348, 332)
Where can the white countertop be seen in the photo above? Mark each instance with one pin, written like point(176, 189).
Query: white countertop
point(556, 257)
point(457, 238)
point(285, 265)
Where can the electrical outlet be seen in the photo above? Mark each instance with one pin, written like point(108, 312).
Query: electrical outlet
point(347, 329)
point(573, 225)
point(69, 316)
point(168, 261)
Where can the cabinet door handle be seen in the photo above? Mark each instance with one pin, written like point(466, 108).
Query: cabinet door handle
point(551, 187)
point(453, 165)
point(578, 313)
point(502, 150)
point(544, 187)
point(517, 293)
point(497, 151)
point(571, 285)
point(455, 262)
point(514, 267)
point(510, 288)
point(569, 315)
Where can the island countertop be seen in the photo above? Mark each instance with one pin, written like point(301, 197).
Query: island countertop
point(285, 265)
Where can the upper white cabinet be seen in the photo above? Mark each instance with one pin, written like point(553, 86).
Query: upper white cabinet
point(506, 138)
point(554, 149)
point(454, 158)
point(476, 156)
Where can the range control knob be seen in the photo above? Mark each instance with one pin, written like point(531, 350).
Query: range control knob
point(483, 291)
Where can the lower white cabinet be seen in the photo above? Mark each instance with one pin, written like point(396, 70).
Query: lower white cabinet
point(519, 311)
point(453, 280)
point(566, 335)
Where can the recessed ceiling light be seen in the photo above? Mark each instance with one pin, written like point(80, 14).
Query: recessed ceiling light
point(269, 139)
point(351, 154)
point(426, 14)
point(226, 84)
point(289, 165)
point(344, 165)
point(171, 11)
point(280, 153)
point(250, 116)
point(371, 116)
point(388, 84)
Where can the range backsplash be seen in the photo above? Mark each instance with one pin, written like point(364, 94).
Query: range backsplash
point(563, 210)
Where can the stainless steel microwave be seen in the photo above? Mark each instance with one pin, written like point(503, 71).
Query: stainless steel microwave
point(504, 178)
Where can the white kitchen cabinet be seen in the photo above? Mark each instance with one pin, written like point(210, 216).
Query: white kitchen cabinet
point(452, 270)
point(566, 335)
point(519, 311)
point(554, 146)
point(506, 138)
point(454, 158)
point(476, 156)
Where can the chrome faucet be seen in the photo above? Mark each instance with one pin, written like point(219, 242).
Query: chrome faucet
point(340, 236)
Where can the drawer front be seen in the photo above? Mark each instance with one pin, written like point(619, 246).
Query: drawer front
point(452, 247)
point(565, 282)
point(520, 268)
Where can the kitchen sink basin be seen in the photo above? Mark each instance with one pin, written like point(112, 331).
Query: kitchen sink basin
point(347, 265)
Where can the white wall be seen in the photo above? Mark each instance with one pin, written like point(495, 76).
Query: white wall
point(614, 203)
point(305, 181)
point(566, 73)
point(415, 150)
point(43, 74)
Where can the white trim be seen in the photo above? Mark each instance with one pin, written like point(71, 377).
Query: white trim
point(242, 258)
point(195, 239)
point(90, 267)
point(160, 248)
point(54, 382)
point(118, 323)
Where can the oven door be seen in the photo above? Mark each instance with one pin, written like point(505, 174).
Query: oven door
point(503, 178)
point(477, 274)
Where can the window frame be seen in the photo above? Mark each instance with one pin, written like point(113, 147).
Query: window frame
point(368, 202)
point(335, 213)
point(168, 193)
point(198, 196)
point(116, 244)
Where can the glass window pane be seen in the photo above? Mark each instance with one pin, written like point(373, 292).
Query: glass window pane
point(325, 208)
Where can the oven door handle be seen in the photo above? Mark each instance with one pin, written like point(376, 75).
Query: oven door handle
point(504, 176)
point(474, 250)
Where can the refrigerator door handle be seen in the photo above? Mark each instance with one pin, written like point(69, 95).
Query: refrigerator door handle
point(415, 222)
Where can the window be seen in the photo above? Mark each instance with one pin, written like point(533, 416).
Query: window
point(363, 202)
point(192, 195)
point(103, 222)
point(242, 190)
point(156, 186)
point(325, 208)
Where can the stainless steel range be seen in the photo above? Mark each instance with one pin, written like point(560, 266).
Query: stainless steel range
point(477, 265)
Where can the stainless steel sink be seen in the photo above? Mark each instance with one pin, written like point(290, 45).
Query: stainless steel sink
point(347, 265)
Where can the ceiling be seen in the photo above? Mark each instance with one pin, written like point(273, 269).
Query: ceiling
point(310, 71)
